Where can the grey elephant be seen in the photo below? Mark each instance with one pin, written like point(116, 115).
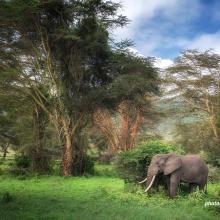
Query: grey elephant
point(186, 168)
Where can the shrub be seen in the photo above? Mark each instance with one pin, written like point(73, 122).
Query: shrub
point(89, 165)
point(197, 195)
point(84, 166)
point(213, 156)
point(105, 170)
point(18, 171)
point(22, 161)
point(6, 198)
point(106, 157)
point(214, 173)
point(131, 165)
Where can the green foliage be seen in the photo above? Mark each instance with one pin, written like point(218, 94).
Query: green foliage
point(84, 166)
point(22, 161)
point(132, 164)
point(18, 171)
point(73, 67)
point(214, 173)
point(213, 155)
point(89, 164)
point(105, 170)
point(196, 196)
point(6, 198)
point(98, 198)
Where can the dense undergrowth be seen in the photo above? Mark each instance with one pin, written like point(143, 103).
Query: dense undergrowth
point(96, 197)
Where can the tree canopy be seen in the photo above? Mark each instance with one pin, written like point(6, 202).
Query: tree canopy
point(60, 56)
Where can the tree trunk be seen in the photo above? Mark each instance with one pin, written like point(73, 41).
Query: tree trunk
point(73, 155)
point(135, 128)
point(5, 151)
point(40, 159)
point(67, 159)
point(79, 164)
point(213, 126)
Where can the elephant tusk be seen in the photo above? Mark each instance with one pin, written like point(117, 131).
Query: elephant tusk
point(143, 181)
point(151, 183)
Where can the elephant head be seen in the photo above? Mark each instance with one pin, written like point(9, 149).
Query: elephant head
point(161, 163)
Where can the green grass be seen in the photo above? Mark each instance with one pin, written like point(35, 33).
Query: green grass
point(105, 170)
point(58, 198)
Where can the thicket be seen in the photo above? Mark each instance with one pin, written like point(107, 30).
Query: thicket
point(132, 165)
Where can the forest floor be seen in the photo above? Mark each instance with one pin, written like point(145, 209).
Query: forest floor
point(98, 197)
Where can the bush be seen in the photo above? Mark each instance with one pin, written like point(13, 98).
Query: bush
point(84, 166)
point(18, 171)
point(89, 165)
point(214, 173)
point(105, 170)
point(132, 165)
point(22, 161)
point(106, 157)
point(6, 198)
point(197, 195)
point(213, 158)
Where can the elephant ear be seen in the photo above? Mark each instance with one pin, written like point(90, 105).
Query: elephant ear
point(173, 163)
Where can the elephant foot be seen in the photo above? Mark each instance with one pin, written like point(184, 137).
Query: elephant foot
point(172, 195)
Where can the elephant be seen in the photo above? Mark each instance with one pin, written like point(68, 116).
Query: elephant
point(185, 168)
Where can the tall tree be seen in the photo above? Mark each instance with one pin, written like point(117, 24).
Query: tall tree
point(132, 94)
point(195, 83)
point(69, 44)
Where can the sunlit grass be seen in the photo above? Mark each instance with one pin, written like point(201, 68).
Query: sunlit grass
point(53, 197)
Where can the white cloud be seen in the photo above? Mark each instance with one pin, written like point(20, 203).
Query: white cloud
point(159, 62)
point(152, 37)
point(205, 42)
point(136, 10)
point(140, 12)
point(163, 63)
point(135, 51)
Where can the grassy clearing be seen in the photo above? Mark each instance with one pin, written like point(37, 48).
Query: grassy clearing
point(58, 198)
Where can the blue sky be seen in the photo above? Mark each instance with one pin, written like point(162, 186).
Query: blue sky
point(163, 28)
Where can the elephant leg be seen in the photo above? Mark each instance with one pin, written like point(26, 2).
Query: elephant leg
point(168, 184)
point(174, 183)
point(192, 187)
point(202, 185)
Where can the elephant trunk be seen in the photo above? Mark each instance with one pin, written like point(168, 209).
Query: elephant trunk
point(151, 174)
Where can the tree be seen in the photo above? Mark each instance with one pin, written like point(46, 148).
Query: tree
point(195, 78)
point(69, 46)
point(24, 77)
point(194, 137)
point(7, 135)
point(134, 91)
point(120, 130)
